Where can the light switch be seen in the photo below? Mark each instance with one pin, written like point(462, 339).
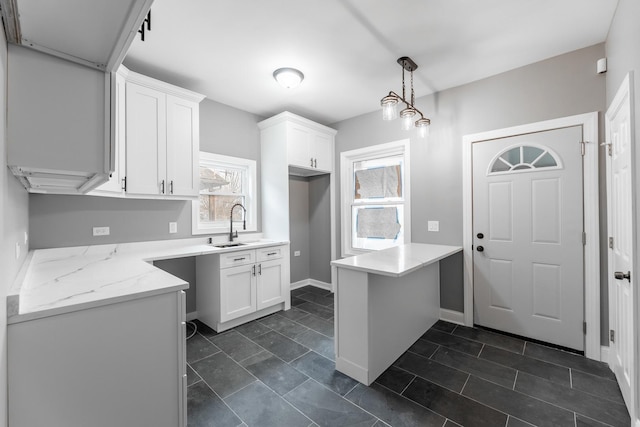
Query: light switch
point(173, 227)
point(100, 231)
point(296, 253)
point(433, 225)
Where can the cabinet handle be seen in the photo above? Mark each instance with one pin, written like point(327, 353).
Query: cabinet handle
point(272, 253)
point(254, 270)
point(171, 186)
point(260, 269)
point(315, 163)
point(162, 186)
point(124, 183)
point(239, 259)
point(311, 159)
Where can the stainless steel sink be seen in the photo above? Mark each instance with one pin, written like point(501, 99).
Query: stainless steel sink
point(229, 245)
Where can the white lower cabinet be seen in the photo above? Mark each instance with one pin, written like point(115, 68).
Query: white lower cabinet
point(237, 292)
point(113, 365)
point(237, 287)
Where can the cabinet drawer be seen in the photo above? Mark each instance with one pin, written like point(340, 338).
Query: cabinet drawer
point(273, 252)
point(233, 259)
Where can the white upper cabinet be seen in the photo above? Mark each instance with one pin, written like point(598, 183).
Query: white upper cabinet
point(115, 185)
point(308, 145)
point(183, 146)
point(157, 140)
point(146, 140)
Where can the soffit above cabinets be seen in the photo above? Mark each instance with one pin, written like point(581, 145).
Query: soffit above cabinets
point(95, 33)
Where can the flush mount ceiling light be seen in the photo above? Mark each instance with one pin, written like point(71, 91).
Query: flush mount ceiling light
point(288, 77)
point(390, 103)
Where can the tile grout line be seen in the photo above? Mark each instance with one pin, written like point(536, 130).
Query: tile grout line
point(407, 386)
point(515, 380)
point(222, 400)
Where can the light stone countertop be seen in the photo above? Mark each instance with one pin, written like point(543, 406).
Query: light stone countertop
point(399, 260)
point(62, 280)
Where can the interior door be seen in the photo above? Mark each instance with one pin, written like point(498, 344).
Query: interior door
point(528, 235)
point(621, 241)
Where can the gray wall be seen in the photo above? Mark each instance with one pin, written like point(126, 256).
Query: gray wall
point(319, 228)
point(14, 206)
point(309, 228)
point(623, 56)
point(299, 227)
point(557, 87)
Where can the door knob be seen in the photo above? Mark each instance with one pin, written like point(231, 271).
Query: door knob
point(480, 236)
point(619, 275)
point(480, 249)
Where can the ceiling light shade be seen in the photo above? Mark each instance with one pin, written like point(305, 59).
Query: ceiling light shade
point(288, 77)
point(390, 103)
point(389, 107)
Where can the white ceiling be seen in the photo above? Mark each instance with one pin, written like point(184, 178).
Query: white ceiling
point(347, 49)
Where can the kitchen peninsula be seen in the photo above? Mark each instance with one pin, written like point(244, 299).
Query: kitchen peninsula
point(385, 301)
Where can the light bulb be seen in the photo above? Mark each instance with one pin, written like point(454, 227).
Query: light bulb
point(389, 107)
point(423, 126)
point(407, 117)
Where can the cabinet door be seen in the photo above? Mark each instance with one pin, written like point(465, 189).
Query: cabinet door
point(146, 140)
point(114, 185)
point(270, 287)
point(320, 151)
point(237, 292)
point(183, 147)
point(298, 139)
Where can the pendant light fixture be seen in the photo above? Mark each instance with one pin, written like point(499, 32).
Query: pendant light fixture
point(390, 103)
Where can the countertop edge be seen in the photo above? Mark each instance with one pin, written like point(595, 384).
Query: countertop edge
point(41, 314)
point(386, 272)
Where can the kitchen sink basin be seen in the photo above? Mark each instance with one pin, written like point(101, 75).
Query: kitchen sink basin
point(229, 245)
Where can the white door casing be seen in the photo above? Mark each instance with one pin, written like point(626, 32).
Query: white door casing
point(527, 214)
point(623, 316)
point(589, 123)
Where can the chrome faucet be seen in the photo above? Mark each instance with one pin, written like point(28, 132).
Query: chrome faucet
point(244, 221)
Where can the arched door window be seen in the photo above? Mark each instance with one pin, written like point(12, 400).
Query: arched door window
point(524, 158)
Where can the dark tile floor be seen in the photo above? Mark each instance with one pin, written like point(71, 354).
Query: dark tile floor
point(279, 371)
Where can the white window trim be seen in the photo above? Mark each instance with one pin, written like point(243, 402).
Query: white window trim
point(347, 158)
point(251, 194)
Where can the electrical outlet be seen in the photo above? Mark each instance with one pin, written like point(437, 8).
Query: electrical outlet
point(433, 225)
point(173, 227)
point(296, 253)
point(100, 231)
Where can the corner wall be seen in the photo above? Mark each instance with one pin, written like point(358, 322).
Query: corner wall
point(14, 204)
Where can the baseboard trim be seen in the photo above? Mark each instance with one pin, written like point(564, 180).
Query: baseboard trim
point(452, 316)
point(311, 282)
point(604, 354)
point(192, 316)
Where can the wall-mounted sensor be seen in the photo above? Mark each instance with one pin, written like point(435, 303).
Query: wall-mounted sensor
point(601, 65)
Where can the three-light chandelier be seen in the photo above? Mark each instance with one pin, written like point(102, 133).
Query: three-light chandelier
point(390, 103)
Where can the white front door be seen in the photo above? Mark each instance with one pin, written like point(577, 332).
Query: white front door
point(621, 241)
point(528, 235)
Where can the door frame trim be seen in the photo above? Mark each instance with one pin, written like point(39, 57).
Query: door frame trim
point(589, 123)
